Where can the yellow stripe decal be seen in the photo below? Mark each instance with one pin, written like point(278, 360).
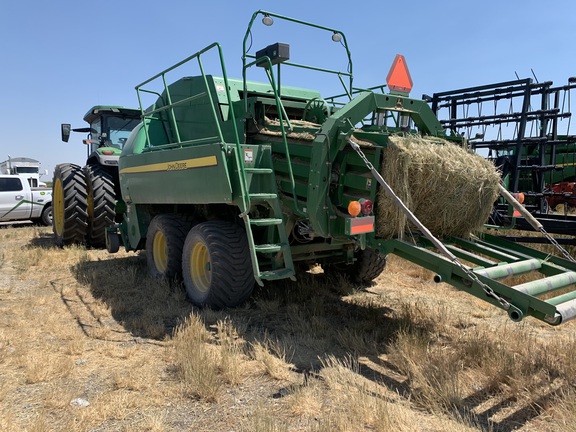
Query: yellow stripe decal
point(173, 166)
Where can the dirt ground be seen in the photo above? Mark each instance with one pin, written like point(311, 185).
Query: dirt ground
point(87, 343)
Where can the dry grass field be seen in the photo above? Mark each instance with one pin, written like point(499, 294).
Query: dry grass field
point(89, 343)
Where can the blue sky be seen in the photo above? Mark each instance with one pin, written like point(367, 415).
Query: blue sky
point(59, 58)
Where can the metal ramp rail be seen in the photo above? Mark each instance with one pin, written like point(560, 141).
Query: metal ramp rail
point(547, 294)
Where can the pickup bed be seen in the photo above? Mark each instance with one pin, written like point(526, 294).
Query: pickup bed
point(19, 201)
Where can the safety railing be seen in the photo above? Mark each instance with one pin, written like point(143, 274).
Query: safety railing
point(250, 60)
point(170, 105)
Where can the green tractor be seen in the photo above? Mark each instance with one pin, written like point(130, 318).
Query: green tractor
point(85, 198)
point(230, 182)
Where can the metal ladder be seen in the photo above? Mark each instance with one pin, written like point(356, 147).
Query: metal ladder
point(276, 252)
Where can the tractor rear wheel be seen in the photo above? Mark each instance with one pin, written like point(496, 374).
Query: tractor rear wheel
point(216, 266)
point(164, 242)
point(367, 267)
point(69, 204)
point(101, 204)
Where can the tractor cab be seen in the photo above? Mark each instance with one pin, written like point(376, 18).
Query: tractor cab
point(109, 129)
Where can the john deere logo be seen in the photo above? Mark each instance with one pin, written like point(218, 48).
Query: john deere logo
point(177, 166)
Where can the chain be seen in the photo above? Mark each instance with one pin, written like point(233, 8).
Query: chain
point(534, 223)
point(557, 245)
point(489, 291)
point(436, 242)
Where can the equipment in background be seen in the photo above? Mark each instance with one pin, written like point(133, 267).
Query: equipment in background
point(85, 198)
point(524, 127)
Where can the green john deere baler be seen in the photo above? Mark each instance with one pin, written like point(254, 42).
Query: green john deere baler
point(228, 182)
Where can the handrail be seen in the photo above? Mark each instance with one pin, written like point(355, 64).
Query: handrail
point(277, 91)
point(206, 140)
point(355, 90)
point(314, 68)
point(281, 114)
point(245, 54)
point(180, 102)
point(170, 107)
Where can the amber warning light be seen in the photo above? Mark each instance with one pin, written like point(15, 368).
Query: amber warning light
point(399, 79)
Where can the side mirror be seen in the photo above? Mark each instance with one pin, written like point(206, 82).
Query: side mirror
point(65, 130)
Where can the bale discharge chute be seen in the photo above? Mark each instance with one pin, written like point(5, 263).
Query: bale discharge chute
point(230, 181)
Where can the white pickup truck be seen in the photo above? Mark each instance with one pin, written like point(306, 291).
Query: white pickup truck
point(20, 201)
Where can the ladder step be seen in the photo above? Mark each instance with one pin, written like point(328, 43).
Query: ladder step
point(277, 274)
point(268, 248)
point(262, 196)
point(511, 269)
point(548, 284)
point(265, 221)
point(258, 170)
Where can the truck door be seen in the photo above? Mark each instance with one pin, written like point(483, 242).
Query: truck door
point(14, 202)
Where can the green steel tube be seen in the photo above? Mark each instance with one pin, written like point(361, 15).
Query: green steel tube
point(548, 284)
point(562, 298)
point(511, 269)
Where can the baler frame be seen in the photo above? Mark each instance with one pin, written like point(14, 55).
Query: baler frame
point(262, 190)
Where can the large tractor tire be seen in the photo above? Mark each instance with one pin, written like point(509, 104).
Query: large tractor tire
point(69, 205)
point(216, 266)
point(367, 267)
point(101, 204)
point(164, 243)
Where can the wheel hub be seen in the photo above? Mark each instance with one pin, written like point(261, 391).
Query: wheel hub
point(58, 207)
point(200, 267)
point(160, 252)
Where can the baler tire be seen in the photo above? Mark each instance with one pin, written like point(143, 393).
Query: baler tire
point(69, 205)
point(368, 266)
point(216, 265)
point(101, 204)
point(164, 242)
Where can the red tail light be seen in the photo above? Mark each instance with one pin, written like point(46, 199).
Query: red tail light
point(366, 206)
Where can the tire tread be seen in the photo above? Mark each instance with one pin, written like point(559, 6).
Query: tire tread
point(75, 204)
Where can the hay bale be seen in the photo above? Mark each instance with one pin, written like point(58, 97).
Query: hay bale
point(450, 190)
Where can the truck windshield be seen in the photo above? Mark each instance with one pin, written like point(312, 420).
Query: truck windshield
point(119, 129)
point(27, 170)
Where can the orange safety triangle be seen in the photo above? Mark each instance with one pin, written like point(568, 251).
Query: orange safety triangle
point(399, 78)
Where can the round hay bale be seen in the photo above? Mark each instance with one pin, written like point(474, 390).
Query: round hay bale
point(450, 190)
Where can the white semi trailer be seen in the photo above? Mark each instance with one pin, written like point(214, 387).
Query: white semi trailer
point(24, 167)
